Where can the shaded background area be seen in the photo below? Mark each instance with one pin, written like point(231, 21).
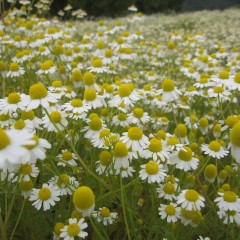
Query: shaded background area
point(116, 8)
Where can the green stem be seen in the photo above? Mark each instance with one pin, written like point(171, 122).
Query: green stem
point(96, 230)
point(2, 229)
point(19, 217)
point(123, 207)
point(9, 212)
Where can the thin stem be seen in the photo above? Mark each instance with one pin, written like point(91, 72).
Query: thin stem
point(19, 217)
point(2, 229)
point(96, 230)
point(123, 207)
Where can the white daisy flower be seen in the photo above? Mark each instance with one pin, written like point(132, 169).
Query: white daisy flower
point(190, 199)
point(228, 201)
point(15, 70)
point(12, 147)
point(214, 149)
point(93, 99)
point(45, 197)
point(105, 216)
point(171, 212)
point(229, 216)
point(125, 172)
point(152, 171)
point(135, 139)
point(73, 229)
point(28, 170)
point(67, 158)
point(184, 159)
point(167, 191)
point(39, 96)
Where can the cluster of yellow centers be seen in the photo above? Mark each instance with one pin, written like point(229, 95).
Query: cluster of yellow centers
point(152, 168)
point(83, 198)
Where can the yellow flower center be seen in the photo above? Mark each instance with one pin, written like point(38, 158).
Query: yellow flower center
point(109, 88)
point(122, 116)
point(152, 168)
point(231, 120)
point(76, 102)
point(135, 133)
point(168, 85)
point(90, 94)
point(3, 66)
point(210, 171)
point(57, 84)
point(181, 130)
point(172, 141)
point(155, 145)
point(46, 65)
point(63, 179)
point(105, 212)
point(27, 115)
point(169, 188)
point(19, 124)
point(88, 78)
point(55, 117)
point(223, 75)
point(95, 124)
point(100, 44)
point(170, 210)
point(26, 185)
point(97, 63)
point(124, 90)
point(120, 150)
point(203, 122)
point(218, 89)
point(138, 112)
point(170, 45)
point(57, 228)
point(77, 75)
point(185, 154)
point(67, 156)
point(36, 139)
point(192, 195)
point(44, 194)
point(14, 67)
point(203, 80)
point(26, 169)
point(108, 53)
point(105, 157)
point(14, 98)
point(217, 128)
point(83, 197)
point(73, 229)
point(237, 77)
point(214, 146)
point(235, 135)
point(38, 91)
point(230, 196)
point(104, 133)
point(4, 139)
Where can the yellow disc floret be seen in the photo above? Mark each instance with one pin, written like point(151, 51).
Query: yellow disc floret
point(4, 139)
point(120, 150)
point(235, 135)
point(135, 133)
point(185, 154)
point(44, 194)
point(192, 195)
point(14, 98)
point(38, 91)
point(152, 168)
point(83, 198)
point(155, 145)
point(168, 85)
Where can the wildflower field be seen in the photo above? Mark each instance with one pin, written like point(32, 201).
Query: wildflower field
point(120, 128)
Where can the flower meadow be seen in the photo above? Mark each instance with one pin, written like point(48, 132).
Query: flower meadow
point(120, 129)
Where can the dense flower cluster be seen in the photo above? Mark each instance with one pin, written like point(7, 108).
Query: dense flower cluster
point(123, 124)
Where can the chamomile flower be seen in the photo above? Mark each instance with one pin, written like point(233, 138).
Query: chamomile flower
point(67, 158)
point(229, 216)
point(74, 229)
point(228, 200)
point(235, 142)
point(105, 216)
point(15, 70)
point(55, 121)
point(26, 188)
point(47, 67)
point(93, 99)
point(97, 66)
point(121, 120)
point(167, 190)
point(169, 91)
point(28, 170)
point(45, 197)
point(171, 212)
point(125, 172)
point(102, 165)
point(153, 171)
point(157, 150)
point(12, 147)
point(12, 103)
point(184, 159)
point(210, 172)
point(30, 116)
point(89, 81)
point(84, 200)
point(121, 157)
point(65, 183)
point(39, 96)
point(214, 149)
point(57, 230)
point(138, 117)
point(135, 139)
